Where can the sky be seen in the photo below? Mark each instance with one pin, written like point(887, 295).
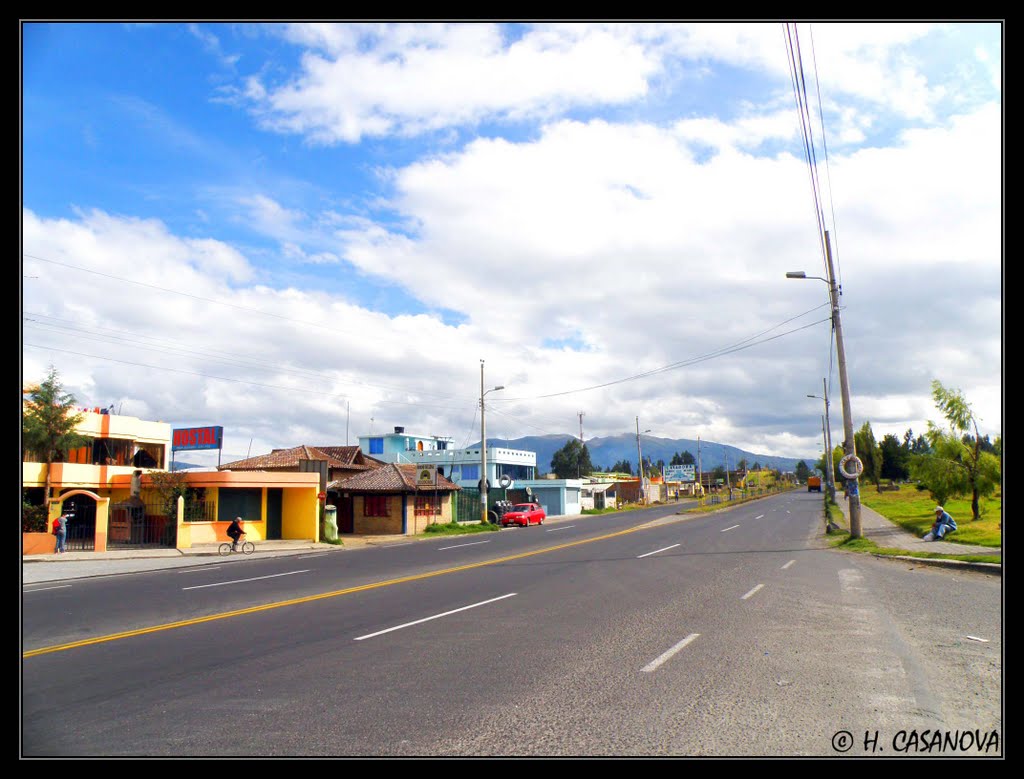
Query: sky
point(305, 233)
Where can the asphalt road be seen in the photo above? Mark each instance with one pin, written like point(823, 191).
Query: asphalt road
point(736, 633)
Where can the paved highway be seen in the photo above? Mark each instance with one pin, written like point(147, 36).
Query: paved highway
point(641, 634)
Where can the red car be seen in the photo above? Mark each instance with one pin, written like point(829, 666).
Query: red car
point(524, 514)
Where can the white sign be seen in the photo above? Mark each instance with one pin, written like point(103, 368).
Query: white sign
point(681, 473)
point(426, 475)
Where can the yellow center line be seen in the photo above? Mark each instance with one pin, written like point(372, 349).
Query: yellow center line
point(310, 598)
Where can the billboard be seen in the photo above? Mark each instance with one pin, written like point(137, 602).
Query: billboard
point(681, 473)
point(426, 475)
point(189, 438)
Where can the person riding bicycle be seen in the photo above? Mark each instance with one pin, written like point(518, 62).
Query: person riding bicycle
point(235, 532)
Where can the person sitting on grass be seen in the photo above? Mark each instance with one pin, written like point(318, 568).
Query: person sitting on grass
point(944, 524)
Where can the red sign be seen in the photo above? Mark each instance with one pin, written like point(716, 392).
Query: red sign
point(196, 438)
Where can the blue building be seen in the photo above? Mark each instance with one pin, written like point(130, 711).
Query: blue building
point(461, 466)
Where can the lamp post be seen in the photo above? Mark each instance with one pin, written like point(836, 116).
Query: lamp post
point(483, 447)
point(640, 457)
point(848, 445)
point(830, 478)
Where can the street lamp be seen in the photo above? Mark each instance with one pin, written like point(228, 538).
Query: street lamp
point(640, 457)
point(483, 446)
point(848, 445)
point(830, 478)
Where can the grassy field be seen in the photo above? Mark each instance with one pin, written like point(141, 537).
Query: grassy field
point(915, 511)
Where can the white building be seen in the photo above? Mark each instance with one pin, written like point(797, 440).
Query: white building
point(461, 466)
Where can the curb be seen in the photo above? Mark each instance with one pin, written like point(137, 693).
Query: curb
point(995, 569)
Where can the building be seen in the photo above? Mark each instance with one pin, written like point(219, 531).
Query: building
point(336, 462)
point(390, 500)
point(461, 466)
point(112, 486)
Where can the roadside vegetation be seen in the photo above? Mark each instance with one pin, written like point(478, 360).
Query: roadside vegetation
point(844, 541)
point(458, 528)
point(913, 509)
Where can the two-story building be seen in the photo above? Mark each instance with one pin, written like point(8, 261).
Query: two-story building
point(112, 487)
point(461, 466)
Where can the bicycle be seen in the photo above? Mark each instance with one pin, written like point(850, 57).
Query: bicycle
point(246, 547)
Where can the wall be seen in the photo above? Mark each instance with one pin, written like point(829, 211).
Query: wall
point(300, 514)
point(419, 524)
point(38, 543)
point(377, 526)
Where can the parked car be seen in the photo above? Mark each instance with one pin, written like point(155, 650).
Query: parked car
point(524, 514)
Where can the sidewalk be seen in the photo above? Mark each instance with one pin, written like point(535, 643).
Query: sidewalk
point(890, 535)
point(74, 565)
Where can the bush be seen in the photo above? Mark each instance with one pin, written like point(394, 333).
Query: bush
point(33, 518)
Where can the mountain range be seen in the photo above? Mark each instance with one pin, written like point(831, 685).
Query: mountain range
point(608, 450)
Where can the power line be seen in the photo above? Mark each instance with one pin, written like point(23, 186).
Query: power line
point(739, 346)
point(225, 378)
point(119, 336)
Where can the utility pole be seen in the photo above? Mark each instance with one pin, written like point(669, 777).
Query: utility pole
point(483, 447)
point(831, 481)
point(483, 451)
point(578, 459)
point(700, 473)
point(640, 458)
point(849, 445)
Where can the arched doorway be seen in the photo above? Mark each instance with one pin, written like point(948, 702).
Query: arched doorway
point(81, 533)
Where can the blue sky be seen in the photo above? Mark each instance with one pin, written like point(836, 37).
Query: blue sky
point(298, 230)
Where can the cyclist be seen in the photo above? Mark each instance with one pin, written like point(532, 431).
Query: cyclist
point(235, 532)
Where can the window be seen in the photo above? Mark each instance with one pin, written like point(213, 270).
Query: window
point(375, 505)
point(428, 505)
point(470, 472)
point(376, 446)
point(244, 502)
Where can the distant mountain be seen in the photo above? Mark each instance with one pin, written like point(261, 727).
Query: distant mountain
point(605, 452)
point(177, 465)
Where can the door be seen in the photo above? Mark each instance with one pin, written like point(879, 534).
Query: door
point(275, 496)
point(345, 523)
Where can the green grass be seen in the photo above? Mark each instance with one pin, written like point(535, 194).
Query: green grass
point(458, 529)
point(845, 542)
point(914, 510)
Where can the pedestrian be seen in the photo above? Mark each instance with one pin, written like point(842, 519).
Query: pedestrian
point(60, 529)
point(944, 524)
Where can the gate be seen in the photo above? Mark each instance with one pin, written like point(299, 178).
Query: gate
point(138, 525)
point(81, 531)
point(466, 502)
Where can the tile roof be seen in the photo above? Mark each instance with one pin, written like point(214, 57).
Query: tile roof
point(392, 477)
point(348, 457)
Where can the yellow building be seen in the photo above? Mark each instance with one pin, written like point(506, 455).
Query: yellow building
point(109, 485)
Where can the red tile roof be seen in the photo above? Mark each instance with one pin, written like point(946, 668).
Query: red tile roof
point(348, 457)
point(393, 477)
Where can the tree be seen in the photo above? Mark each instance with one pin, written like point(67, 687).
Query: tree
point(802, 471)
point(954, 464)
point(572, 460)
point(683, 459)
point(894, 459)
point(623, 466)
point(48, 423)
point(870, 454)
